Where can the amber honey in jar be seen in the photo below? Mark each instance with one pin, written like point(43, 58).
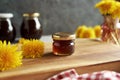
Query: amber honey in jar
point(31, 27)
point(63, 43)
point(7, 30)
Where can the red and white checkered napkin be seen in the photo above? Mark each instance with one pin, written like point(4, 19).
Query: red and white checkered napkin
point(72, 75)
point(65, 75)
point(102, 75)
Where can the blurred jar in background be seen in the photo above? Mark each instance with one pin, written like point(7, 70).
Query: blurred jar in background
point(7, 30)
point(31, 27)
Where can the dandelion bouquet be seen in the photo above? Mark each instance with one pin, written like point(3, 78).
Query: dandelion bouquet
point(110, 9)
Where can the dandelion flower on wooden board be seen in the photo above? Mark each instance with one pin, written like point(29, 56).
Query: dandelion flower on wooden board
point(9, 56)
point(79, 30)
point(88, 33)
point(97, 30)
point(33, 49)
point(23, 40)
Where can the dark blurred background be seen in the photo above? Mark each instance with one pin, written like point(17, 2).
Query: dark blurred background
point(56, 15)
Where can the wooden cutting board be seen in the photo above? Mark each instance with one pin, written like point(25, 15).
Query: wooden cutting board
point(89, 56)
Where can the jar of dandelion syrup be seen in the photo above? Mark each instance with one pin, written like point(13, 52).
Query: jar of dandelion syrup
point(63, 43)
point(31, 27)
point(7, 30)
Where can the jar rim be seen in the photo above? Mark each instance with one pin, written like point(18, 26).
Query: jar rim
point(63, 36)
point(31, 14)
point(6, 15)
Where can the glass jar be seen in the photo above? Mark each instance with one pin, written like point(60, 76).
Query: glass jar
point(63, 43)
point(7, 30)
point(31, 27)
point(111, 30)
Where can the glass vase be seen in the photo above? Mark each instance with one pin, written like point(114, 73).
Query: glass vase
point(111, 30)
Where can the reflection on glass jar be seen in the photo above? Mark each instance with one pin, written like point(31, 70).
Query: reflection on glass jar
point(63, 43)
point(31, 27)
point(7, 30)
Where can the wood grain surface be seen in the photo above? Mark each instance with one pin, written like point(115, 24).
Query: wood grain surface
point(89, 56)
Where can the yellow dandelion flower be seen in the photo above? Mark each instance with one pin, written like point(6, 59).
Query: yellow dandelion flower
point(106, 6)
point(9, 56)
point(22, 40)
point(79, 30)
point(97, 30)
point(88, 33)
point(116, 12)
point(108, 0)
point(33, 49)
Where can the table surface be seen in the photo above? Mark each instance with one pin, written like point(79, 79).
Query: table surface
point(87, 53)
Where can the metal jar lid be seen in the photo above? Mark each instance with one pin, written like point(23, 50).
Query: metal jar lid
point(6, 15)
point(31, 14)
point(63, 36)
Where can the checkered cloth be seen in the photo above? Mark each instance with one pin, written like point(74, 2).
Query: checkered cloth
point(102, 75)
point(72, 75)
point(65, 75)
